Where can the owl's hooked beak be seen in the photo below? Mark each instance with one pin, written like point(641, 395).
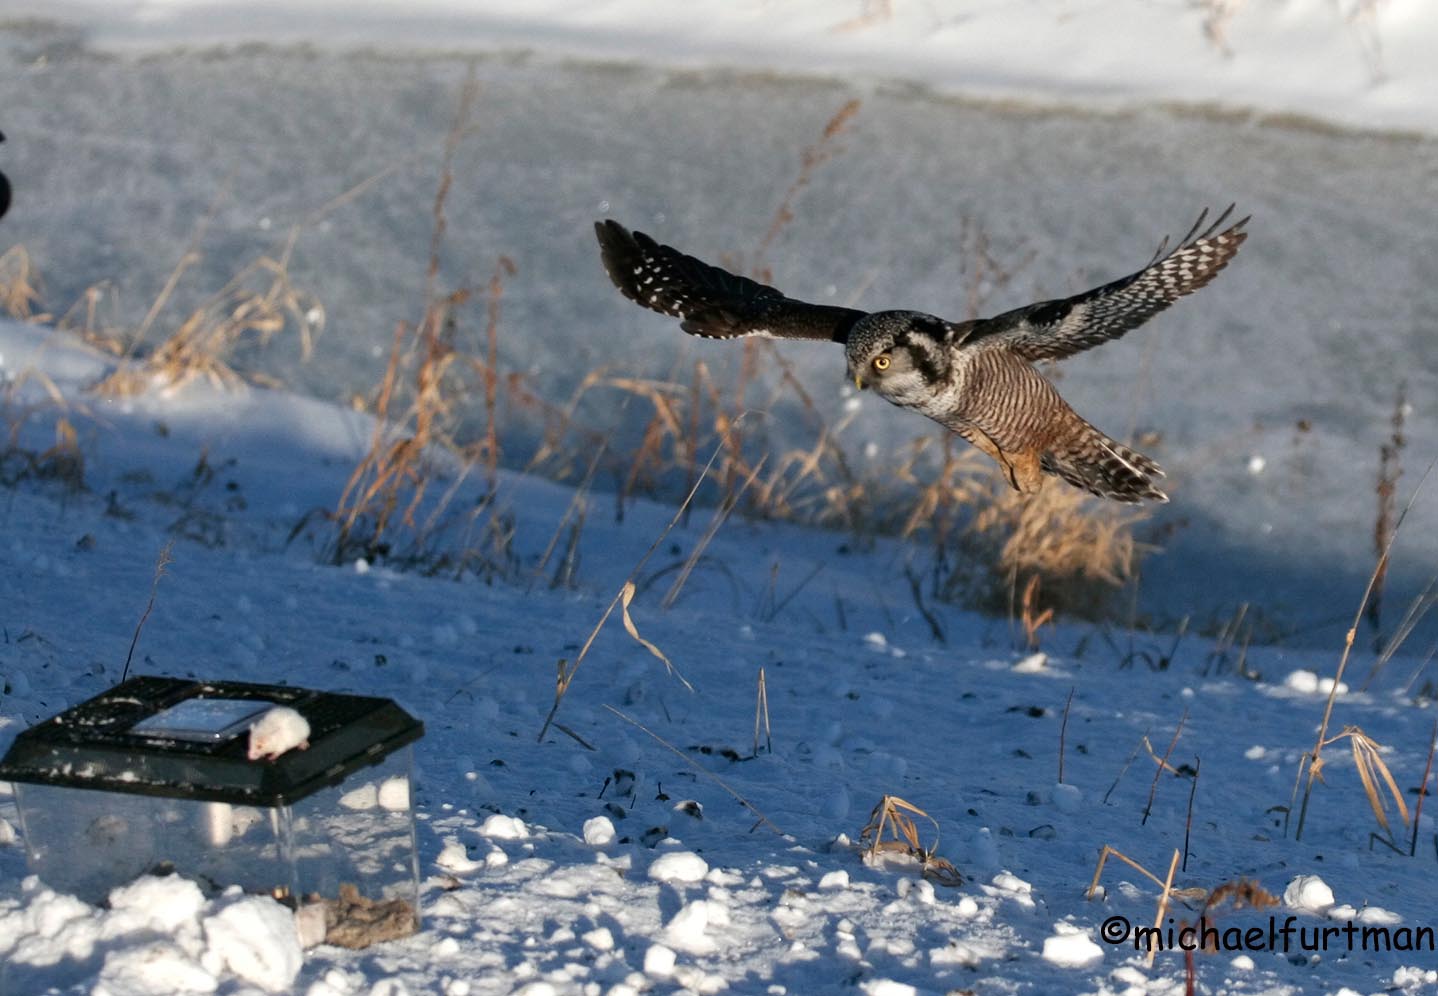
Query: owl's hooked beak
point(859, 381)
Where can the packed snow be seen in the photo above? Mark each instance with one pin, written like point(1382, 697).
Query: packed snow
point(651, 840)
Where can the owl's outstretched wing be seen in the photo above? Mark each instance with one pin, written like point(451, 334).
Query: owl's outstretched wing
point(708, 301)
point(1051, 330)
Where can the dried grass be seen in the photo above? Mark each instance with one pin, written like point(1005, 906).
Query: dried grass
point(565, 670)
point(20, 286)
point(1166, 890)
point(392, 506)
point(1311, 762)
point(892, 814)
point(255, 306)
point(1239, 894)
point(991, 542)
point(1390, 469)
point(1067, 553)
point(162, 563)
point(63, 461)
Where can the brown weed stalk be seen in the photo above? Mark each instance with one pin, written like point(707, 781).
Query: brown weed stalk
point(1311, 762)
point(893, 814)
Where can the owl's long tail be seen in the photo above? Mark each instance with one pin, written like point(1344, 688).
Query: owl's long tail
point(1105, 467)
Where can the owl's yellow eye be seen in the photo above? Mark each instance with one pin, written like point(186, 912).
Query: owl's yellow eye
point(881, 363)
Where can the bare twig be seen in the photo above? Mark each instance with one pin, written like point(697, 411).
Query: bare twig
point(762, 819)
point(1126, 765)
point(1063, 731)
point(1311, 761)
point(1188, 817)
point(1163, 765)
point(1423, 789)
point(761, 713)
point(163, 561)
point(567, 671)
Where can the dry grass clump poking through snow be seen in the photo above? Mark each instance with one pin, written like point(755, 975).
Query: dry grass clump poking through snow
point(892, 813)
point(389, 507)
point(1083, 550)
point(1065, 551)
point(63, 461)
point(19, 286)
point(256, 305)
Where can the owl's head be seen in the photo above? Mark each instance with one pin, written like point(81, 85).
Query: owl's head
point(902, 355)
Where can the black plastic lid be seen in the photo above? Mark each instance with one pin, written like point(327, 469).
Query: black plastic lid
point(95, 745)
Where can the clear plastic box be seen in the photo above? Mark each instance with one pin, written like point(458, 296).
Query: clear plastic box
point(153, 777)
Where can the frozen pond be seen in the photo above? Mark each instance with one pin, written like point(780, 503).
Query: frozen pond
point(1269, 393)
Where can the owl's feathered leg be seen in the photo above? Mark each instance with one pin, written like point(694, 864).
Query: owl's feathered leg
point(1023, 469)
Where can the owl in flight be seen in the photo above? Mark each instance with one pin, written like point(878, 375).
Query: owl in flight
point(976, 378)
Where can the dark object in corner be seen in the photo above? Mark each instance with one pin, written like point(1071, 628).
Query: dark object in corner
point(4, 188)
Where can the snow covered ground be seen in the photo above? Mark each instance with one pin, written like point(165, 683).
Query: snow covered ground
point(618, 866)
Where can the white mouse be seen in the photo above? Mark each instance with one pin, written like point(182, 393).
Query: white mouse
point(278, 730)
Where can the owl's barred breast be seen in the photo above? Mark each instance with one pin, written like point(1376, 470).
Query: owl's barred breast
point(1015, 404)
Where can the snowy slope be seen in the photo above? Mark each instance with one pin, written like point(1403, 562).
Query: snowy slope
point(1363, 63)
point(550, 867)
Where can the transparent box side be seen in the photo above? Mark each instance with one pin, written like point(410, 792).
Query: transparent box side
point(87, 842)
point(360, 833)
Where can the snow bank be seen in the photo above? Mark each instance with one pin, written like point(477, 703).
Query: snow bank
point(159, 937)
point(1362, 64)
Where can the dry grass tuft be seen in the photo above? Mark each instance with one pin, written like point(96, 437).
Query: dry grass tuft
point(1311, 762)
point(1061, 535)
point(393, 506)
point(1243, 893)
point(63, 460)
point(1368, 762)
point(1066, 552)
point(1167, 892)
point(257, 304)
point(892, 813)
point(1032, 617)
point(19, 286)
